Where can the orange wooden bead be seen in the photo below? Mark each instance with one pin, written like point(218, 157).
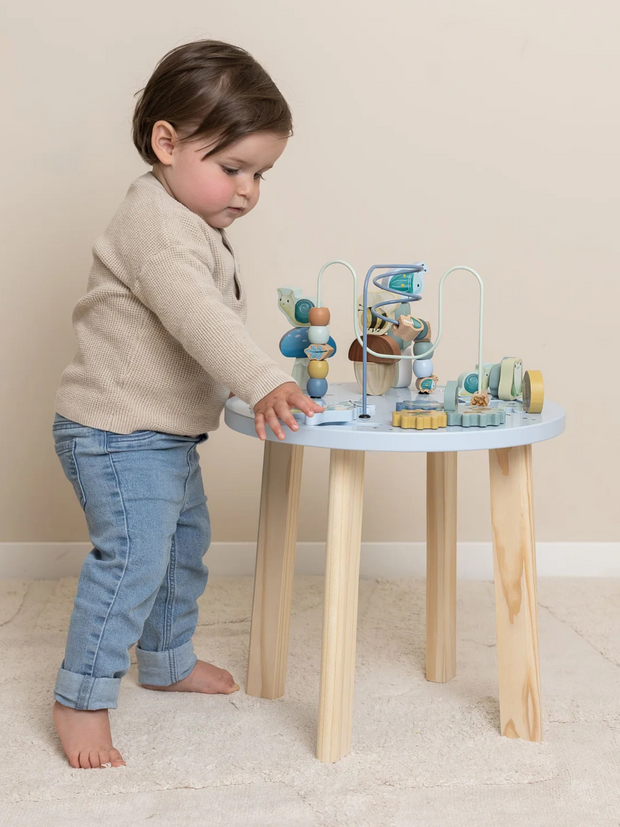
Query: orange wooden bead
point(319, 316)
point(318, 369)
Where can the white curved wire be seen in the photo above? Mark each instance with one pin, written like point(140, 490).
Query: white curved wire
point(427, 353)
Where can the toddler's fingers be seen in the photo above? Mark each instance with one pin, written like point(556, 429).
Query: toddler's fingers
point(274, 423)
point(286, 415)
point(259, 425)
point(305, 404)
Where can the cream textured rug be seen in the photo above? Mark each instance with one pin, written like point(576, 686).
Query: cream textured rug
point(423, 754)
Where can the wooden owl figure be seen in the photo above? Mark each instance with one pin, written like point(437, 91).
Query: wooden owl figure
point(295, 305)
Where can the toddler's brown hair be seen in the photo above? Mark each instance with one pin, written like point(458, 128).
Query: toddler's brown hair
point(209, 89)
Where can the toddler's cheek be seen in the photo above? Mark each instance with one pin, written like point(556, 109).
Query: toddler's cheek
point(223, 192)
point(214, 195)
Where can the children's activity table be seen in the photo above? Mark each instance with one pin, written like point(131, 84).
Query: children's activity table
point(514, 556)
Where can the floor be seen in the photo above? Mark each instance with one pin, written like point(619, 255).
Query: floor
point(423, 754)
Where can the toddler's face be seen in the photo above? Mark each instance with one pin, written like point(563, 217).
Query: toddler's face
point(223, 186)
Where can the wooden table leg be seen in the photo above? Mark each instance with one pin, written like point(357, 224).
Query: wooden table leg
point(275, 566)
point(514, 561)
point(441, 566)
point(342, 568)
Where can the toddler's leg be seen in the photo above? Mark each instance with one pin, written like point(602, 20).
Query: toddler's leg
point(166, 637)
point(132, 488)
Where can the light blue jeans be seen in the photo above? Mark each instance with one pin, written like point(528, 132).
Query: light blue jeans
point(145, 507)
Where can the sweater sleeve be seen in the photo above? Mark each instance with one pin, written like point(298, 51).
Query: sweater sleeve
point(177, 285)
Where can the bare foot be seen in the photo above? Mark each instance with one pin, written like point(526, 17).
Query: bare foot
point(86, 738)
point(204, 677)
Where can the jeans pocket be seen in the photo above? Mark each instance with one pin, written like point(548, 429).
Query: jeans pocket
point(63, 446)
point(65, 450)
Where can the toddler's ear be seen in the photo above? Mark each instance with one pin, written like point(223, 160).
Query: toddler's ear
point(163, 140)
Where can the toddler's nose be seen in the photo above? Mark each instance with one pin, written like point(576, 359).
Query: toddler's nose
point(244, 189)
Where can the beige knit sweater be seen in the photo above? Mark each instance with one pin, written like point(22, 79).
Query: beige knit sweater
point(161, 334)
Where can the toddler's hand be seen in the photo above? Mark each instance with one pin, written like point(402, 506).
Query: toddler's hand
point(278, 403)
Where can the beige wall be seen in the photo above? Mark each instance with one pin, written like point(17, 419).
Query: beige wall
point(480, 133)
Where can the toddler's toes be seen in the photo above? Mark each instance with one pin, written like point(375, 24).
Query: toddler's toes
point(229, 684)
point(115, 758)
point(78, 730)
point(85, 760)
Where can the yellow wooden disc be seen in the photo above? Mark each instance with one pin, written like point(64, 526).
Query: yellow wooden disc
point(533, 391)
point(318, 369)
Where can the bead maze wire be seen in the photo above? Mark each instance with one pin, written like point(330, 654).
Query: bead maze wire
point(396, 270)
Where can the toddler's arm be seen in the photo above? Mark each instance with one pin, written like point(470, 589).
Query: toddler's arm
point(177, 285)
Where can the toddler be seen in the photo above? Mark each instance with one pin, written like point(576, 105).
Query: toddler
point(161, 343)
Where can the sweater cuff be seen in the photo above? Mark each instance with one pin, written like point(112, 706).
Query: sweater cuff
point(266, 384)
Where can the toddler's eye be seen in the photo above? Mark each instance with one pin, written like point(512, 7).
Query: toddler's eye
point(230, 171)
point(258, 175)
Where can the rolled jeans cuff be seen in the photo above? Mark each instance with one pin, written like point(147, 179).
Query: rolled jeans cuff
point(85, 692)
point(164, 668)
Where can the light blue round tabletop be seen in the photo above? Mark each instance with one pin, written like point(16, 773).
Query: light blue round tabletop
point(378, 434)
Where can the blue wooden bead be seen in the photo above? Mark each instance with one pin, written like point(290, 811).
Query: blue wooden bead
point(421, 347)
point(316, 388)
point(423, 368)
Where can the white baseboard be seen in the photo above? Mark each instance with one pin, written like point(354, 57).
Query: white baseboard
point(389, 560)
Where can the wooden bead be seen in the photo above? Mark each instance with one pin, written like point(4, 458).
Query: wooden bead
point(318, 369)
point(408, 328)
point(423, 368)
point(421, 347)
point(318, 334)
point(316, 388)
point(426, 384)
point(318, 351)
point(319, 316)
